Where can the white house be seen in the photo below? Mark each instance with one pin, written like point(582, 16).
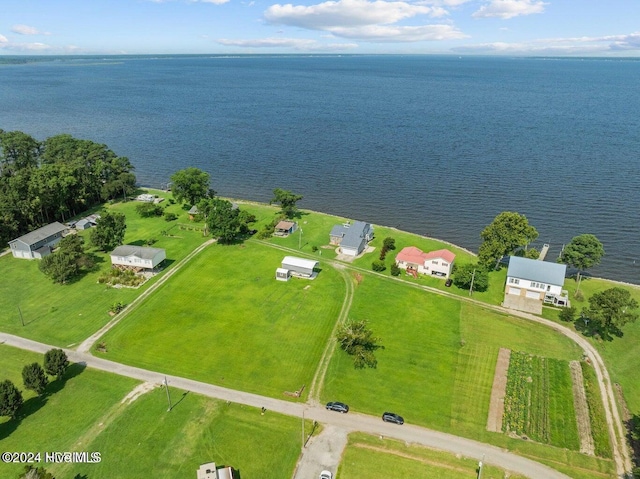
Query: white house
point(435, 263)
point(38, 243)
point(530, 283)
point(137, 257)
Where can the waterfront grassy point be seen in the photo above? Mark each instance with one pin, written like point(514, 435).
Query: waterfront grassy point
point(220, 317)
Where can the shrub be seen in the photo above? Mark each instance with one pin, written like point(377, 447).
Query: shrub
point(389, 243)
point(117, 307)
point(150, 241)
point(169, 216)
point(314, 249)
point(395, 270)
point(378, 266)
point(147, 210)
point(567, 314)
point(383, 254)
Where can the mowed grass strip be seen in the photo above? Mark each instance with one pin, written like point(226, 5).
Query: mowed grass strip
point(55, 421)
point(64, 315)
point(539, 401)
point(599, 429)
point(148, 441)
point(415, 372)
point(224, 319)
point(366, 457)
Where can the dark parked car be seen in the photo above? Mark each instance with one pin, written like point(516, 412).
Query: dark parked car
point(448, 282)
point(392, 417)
point(337, 406)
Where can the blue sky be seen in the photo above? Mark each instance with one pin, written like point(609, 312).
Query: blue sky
point(506, 27)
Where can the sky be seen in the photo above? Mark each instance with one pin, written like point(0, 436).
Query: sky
point(462, 27)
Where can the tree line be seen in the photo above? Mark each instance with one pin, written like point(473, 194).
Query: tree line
point(54, 179)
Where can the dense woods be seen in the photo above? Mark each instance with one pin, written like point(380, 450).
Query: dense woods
point(55, 179)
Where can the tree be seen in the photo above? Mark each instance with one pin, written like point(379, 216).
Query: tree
point(395, 270)
point(389, 243)
point(55, 362)
point(10, 399)
point(466, 274)
point(109, 231)
point(59, 267)
point(34, 378)
point(190, 185)
point(568, 315)
point(30, 472)
point(358, 341)
point(610, 310)
point(507, 233)
point(582, 252)
point(221, 218)
point(148, 210)
point(287, 201)
point(378, 265)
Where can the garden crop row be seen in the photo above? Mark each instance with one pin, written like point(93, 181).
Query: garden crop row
point(539, 401)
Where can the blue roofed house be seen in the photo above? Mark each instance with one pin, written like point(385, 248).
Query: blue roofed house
point(530, 283)
point(38, 243)
point(352, 238)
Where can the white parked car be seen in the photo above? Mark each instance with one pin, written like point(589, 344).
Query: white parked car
point(326, 475)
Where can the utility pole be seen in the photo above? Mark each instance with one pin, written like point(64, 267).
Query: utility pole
point(473, 276)
point(480, 467)
point(300, 239)
point(166, 386)
point(302, 429)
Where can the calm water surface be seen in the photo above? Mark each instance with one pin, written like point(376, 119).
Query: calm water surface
point(429, 144)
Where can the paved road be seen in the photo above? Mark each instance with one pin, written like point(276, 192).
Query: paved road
point(615, 426)
point(349, 422)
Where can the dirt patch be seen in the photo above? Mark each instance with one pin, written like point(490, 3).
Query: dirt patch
point(498, 391)
point(136, 392)
point(582, 409)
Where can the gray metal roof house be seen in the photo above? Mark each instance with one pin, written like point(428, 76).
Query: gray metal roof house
point(352, 238)
point(137, 257)
point(38, 243)
point(531, 282)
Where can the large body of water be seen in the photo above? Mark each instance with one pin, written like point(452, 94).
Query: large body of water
point(433, 145)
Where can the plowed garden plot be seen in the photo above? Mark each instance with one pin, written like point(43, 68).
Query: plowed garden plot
point(539, 401)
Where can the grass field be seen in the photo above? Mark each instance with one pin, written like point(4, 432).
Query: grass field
point(68, 409)
point(367, 457)
point(224, 319)
point(599, 430)
point(539, 401)
point(64, 315)
point(137, 439)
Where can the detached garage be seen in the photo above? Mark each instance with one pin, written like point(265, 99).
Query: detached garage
point(299, 266)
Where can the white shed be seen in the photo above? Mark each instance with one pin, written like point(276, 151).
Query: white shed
point(299, 266)
point(283, 274)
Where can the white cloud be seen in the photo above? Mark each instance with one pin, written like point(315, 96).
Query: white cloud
point(506, 9)
point(396, 33)
point(300, 44)
point(3, 39)
point(346, 13)
point(215, 2)
point(607, 44)
point(27, 30)
point(25, 47)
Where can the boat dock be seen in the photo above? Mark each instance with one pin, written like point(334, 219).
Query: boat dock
point(543, 252)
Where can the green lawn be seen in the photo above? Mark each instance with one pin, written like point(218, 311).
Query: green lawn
point(64, 315)
point(224, 319)
point(366, 457)
point(85, 412)
point(68, 409)
point(147, 441)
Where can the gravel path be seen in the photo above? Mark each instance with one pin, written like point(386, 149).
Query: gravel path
point(349, 422)
point(323, 452)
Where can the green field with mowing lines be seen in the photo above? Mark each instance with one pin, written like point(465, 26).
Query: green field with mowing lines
point(539, 401)
point(147, 441)
point(224, 319)
point(599, 430)
point(366, 457)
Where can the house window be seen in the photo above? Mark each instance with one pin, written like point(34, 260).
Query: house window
point(434, 262)
point(445, 264)
point(516, 281)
